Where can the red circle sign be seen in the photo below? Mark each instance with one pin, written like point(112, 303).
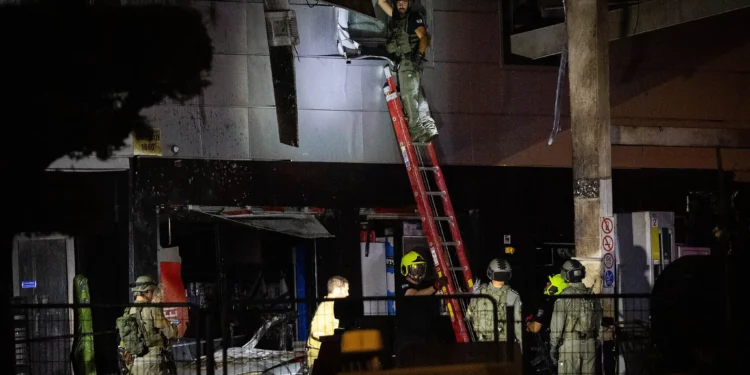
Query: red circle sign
point(607, 225)
point(609, 261)
point(608, 243)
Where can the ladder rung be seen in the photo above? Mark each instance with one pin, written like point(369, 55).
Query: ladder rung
point(443, 218)
point(436, 193)
point(450, 243)
point(431, 169)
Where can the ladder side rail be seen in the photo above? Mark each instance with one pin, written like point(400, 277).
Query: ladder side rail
point(448, 208)
point(428, 223)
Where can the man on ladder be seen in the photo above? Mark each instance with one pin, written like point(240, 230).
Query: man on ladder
point(407, 45)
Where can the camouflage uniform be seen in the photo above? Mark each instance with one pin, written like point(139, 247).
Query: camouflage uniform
point(402, 44)
point(573, 331)
point(480, 313)
point(158, 330)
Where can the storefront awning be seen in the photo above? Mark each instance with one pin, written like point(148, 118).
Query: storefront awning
point(301, 224)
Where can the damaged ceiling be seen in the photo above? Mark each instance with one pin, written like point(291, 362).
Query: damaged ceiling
point(300, 224)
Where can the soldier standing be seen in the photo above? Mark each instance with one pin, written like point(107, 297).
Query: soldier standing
point(407, 45)
point(575, 324)
point(146, 328)
point(499, 272)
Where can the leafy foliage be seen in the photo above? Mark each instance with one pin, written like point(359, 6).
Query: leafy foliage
point(75, 78)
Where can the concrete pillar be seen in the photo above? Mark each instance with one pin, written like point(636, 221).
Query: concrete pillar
point(588, 40)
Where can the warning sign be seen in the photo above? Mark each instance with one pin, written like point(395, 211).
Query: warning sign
point(607, 225)
point(608, 243)
point(608, 234)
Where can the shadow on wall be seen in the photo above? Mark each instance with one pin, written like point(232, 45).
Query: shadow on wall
point(633, 275)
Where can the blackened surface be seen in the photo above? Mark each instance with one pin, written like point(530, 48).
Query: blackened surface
point(587, 188)
point(229, 182)
point(285, 92)
point(143, 228)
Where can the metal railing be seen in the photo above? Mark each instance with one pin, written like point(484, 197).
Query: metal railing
point(272, 336)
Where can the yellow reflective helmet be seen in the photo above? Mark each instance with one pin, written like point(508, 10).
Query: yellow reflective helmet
point(414, 266)
point(556, 285)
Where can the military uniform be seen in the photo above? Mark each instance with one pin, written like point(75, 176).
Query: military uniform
point(323, 321)
point(158, 329)
point(573, 331)
point(480, 313)
point(402, 45)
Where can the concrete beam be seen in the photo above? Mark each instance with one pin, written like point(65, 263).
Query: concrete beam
point(680, 137)
point(624, 22)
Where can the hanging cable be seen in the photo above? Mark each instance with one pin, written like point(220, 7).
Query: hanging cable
point(560, 79)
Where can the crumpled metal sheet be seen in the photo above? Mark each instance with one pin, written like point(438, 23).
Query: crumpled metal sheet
point(586, 188)
point(297, 225)
point(304, 226)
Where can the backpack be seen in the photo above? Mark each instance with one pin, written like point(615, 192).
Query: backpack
point(484, 310)
point(132, 333)
point(585, 315)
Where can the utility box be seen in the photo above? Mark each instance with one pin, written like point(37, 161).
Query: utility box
point(282, 28)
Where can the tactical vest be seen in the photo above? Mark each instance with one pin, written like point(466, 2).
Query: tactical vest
point(581, 314)
point(401, 42)
point(153, 336)
point(484, 324)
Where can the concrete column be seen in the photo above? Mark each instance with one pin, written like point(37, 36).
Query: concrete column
point(588, 40)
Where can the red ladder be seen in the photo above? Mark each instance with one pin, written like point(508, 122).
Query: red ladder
point(434, 220)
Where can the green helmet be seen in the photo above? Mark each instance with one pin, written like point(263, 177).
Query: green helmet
point(414, 266)
point(557, 285)
point(143, 284)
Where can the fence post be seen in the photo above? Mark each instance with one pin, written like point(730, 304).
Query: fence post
point(210, 363)
point(615, 338)
point(198, 317)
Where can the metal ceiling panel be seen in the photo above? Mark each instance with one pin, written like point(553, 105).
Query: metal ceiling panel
point(226, 23)
point(624, 22)
point(225, 133)
point(296, 225)
point(228, 81)
point(317, 30)
point(257, 37)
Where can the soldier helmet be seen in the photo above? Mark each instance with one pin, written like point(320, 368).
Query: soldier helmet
point(499, 270)
point(556, 285)
point(143, 284)
point(573, 271)
point(414, 266)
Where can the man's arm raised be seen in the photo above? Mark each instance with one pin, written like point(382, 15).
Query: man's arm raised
point(387, 8)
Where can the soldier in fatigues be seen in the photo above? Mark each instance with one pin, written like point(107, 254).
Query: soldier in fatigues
point(407, 45)
point(575, 325)
point(157, 331)
point(480, 309)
